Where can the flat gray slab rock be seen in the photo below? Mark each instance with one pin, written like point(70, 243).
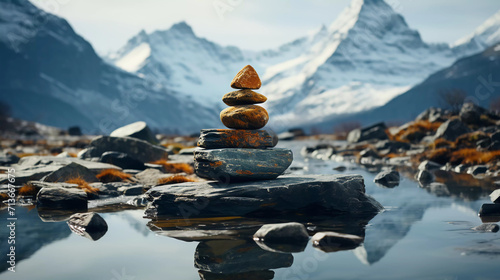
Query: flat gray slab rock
point(236, 138)
point(62, 199)
point(327, 194)
point(233, 164)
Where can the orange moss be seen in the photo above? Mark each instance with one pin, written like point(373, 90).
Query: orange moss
point(82, 184)
point(113, 175)
point(4, 196)
point(174, 180)
point(441, 143)
point(176, 147)
point(175, 167)
point(473, 156)
point(470, 139)
point(441, 155)
point(244, 172)
point(72, 155)
point(28, 190)
point(414, 131)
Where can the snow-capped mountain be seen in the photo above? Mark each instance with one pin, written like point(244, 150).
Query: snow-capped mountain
point(365, 58)
point(483, 37)
point(49, 74)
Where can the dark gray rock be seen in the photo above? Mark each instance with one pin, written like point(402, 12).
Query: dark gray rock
point(471, 113)
point(432, 114)
point(121, 160)
point(329, 194)
point(90, 225)
point(484, 143)
point(478, 170)
point(8, 159)
point(373, 132)
point(488, 227)
point(136, 148)
point(282, 233)
point(495, 136)
point(139, 130)
point(242, 164)
point(334, 241)
point(340, 168)
point(495, 196)
point(62, 199)
point(495, 146)
point(74, 131)
point(424, 177)
point(71, 171)
point(236, 138)
point(369, 153)
point(489, 209)
point(251, 275)
point(388, 178)
point(131, 190)
point(392, 146)
point(237, 256)
point(451, 130)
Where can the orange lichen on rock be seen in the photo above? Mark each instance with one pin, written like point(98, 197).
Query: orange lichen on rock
point(216, 164)
point(415, 131)
point(28, 190)
point(82, 184)
point(247, 78)
point(244, 172)
point(113, 175)
point(244, 117)
point(170, 167)
point(473, 156)
point(174, 180)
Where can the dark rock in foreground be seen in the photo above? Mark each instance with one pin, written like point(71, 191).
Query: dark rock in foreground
point(327, 194)
point(139, 130)
point(282, 233)
point(62, 199)
point(333, 241)
point(232, 164)
point(388, 178)
point(236, 138)
point(488, 209)
point(90, 225)
point(451, 130)
point(121, 160)
point(71, 171)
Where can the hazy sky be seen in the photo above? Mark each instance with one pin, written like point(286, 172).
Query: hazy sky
point(254, 24)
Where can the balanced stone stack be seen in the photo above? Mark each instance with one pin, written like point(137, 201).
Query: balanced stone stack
point(244, 152)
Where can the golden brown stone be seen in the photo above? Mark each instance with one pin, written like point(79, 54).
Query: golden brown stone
point(244, 117)
point(243, 97)
point(247, 78)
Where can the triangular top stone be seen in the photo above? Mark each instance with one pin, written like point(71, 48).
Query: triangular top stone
point(247, 78)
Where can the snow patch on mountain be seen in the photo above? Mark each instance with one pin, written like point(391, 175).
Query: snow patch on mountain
point(483, 37)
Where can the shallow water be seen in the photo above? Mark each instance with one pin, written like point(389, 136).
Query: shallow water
point(422, 234)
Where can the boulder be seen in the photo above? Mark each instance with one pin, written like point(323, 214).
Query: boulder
point(139, 130)
point(424, 177)
point(471, 113)
point(373, 132)
point(495, 196)
point(8, 159)
point(369, 153)
point(326, 194)
point(90, 225)
point(131, 190)
point(388, 178)
point(488, 227)
point(62, 199)
point(242, 164)
point(451, 130)
point(135, 148)
point(71, 171)
point(432, 115)
point(478, 170)
point(243, 97)
point(244, 117)
point(121, 160)
point(489, 209)
point(282, 233)
point(247, 78)
point(334, 241)
point(230, 138)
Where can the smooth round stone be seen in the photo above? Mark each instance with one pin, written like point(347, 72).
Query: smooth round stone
point(244, 117)
point(247, 78)
point(236, 138)
point(234, 164)
point(243, 97)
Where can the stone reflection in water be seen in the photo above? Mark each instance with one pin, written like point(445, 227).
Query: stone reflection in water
point(233, 257)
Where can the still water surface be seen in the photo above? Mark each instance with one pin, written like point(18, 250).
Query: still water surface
point(422, 234)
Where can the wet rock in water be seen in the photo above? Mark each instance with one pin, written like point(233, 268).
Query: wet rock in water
point(121, 160)
point(495, 196)
point(488, 209)
point(237, 256)
point(388, 178)
point(242, 164)
point(282, 233)
point(62, 198)
point(429, 165)
point(71, 171)
point(139, 130)
point(424, 177)
point(131, 190)
point(478, 170)
point(340, 168)
point(327, 194)
point(374, 132)
point(471, 113)
point(230, 138)
point(8, 159)
point(247, 78)
point(244, 117)
point(451, 130)
point(243, 97)
point(488, 227)
point(283, 247)
point(90, 225)
point(135, 148)
point(252, 275)
point(334, 242)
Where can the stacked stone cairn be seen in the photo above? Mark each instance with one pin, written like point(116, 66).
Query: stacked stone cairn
point(244, 152)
